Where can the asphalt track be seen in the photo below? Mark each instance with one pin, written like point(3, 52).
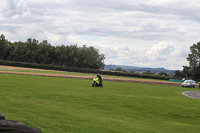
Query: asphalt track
point(192, 94)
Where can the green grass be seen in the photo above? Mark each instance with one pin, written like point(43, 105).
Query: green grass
point(59, 105)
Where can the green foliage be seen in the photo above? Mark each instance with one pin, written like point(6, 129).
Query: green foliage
point(162, 74)
point(186, 74)
point(178, 74)
point(70, 105)
point(148, 73)
point(118, 69)
point(33, 51)
point(4, 47)
point(194, 61)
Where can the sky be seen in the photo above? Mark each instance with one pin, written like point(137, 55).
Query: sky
point(140, 33)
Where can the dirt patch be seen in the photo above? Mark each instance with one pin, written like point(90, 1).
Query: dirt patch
point(6, 69)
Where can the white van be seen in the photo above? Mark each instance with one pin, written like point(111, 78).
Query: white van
point(189, 83)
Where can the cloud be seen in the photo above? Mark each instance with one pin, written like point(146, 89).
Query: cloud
point(22, 7)
point(151, 33)
point(161, 51)
point(14, 8)
point(159, 55)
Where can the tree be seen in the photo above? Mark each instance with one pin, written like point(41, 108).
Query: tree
point(112, 69)
point(118, 69)
point(162, 74)
point(178, 74)
point(2, 46)
point(124, 71)
point(186, 72)
point(194, 61)
point(148, 73)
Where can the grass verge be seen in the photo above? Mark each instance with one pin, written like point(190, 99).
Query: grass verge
point(59, 105)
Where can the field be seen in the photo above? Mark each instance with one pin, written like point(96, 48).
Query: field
point(60, 105)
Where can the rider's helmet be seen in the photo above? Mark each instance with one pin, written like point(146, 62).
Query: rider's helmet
point(98, 75)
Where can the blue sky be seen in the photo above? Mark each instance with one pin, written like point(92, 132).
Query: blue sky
point(145, 33)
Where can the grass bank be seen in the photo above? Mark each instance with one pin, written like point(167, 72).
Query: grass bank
point(59, 105)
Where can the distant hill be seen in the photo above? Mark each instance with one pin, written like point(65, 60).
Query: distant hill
point(140, 69)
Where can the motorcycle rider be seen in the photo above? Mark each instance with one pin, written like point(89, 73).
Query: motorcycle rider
point(97, 81)
point(99, 76)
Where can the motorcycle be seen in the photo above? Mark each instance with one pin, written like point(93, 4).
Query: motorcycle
point(97, 82)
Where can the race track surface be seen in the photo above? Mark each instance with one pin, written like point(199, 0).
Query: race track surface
point(192, 94)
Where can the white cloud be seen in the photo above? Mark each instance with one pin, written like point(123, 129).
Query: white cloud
point(148, 33)
point(22, 7)
point(159, 55)
point(161, 51)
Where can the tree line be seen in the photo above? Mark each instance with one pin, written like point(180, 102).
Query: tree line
point(161, 74)
point(33, 51)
